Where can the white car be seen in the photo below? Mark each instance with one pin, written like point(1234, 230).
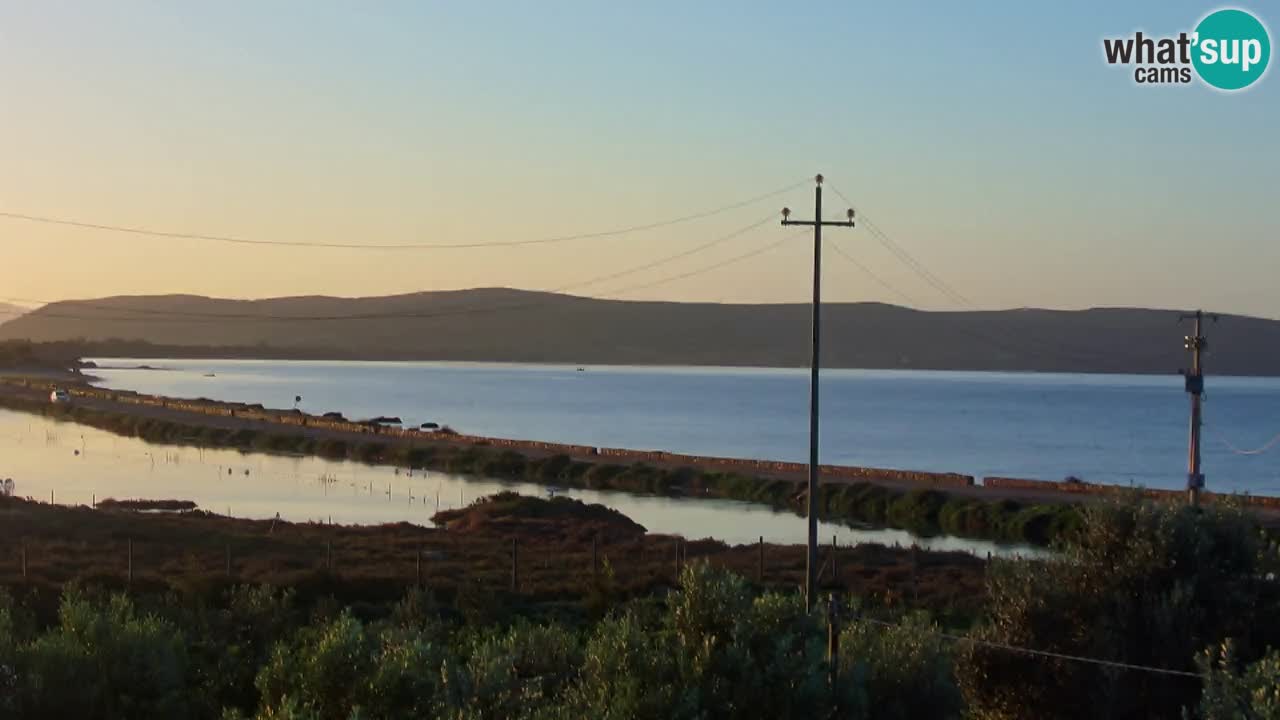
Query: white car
point(59, 397)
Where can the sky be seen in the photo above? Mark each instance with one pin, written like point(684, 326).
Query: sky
point(990, 140)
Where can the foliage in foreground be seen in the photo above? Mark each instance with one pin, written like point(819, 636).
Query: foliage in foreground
point(1140, 583)
point(1143, 583)
point(1232, 694)
point(714, 649)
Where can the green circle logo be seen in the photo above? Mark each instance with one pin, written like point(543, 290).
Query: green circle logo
point(1232, 49)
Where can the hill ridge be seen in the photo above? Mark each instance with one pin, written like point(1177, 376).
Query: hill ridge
point(508, 324)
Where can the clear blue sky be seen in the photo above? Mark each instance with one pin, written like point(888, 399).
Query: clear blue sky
point(989, 139)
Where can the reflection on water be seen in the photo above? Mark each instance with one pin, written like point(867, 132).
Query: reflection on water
point(78, 464)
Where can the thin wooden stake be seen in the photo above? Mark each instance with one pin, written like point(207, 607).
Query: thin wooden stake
point(130, 561)
point(24, 560)
point(328, 556)
point(835, 561)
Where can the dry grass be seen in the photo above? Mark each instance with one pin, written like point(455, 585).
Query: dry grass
point(188, 552)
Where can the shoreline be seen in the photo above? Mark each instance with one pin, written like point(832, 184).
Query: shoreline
point(645, 366)
point(929, 503)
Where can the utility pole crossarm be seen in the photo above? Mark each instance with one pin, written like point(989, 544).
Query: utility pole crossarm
point(825, 223)
point(817, 223)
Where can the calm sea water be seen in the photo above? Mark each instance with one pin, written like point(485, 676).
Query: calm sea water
point(1107, 428)
point(79, 464)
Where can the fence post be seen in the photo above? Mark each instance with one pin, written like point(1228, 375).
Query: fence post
point(24, 560)
point(833, 648)
point(835, 561)
point(515, 565)
point(129, 570)
point(417, 568)
point(228, 559)
point(595, 558)
point(328, 556)
point(679, 543)
point(760, 567)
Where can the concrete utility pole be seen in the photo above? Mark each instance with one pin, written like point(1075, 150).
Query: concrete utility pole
point(811, 561)
point(1196, 344)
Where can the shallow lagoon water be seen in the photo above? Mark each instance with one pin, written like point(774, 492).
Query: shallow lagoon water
point(78, 464)
point(1117, 429)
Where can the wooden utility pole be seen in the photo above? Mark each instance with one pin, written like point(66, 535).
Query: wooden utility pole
point(1196, 344)
point(815, 360)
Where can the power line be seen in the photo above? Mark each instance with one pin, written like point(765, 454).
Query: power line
point(1045, 653)
point(405, 246)
point(705, 269)
point(867, 271)
point(1256, 451)
point(174, 315)
point(1046, 351)
point(670, 258)
point(205, 318)
point(907, 258)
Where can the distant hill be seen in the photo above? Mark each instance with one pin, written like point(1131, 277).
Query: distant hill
point(521, 326)
point(9, 312)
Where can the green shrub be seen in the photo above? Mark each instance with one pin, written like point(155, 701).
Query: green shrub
point(8, 657)
point(918, 509)
point(507, 463)
point(906, 669)
point(553, 468)
point(339, 669)
point(103, 661)
point(502, 675)
point(369, 452)
point(332, 448)
point(1232, 694)
point(320, 670)
point(628, 673)
point(1139, 582)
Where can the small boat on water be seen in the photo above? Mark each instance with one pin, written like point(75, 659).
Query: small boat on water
point(210, 375)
